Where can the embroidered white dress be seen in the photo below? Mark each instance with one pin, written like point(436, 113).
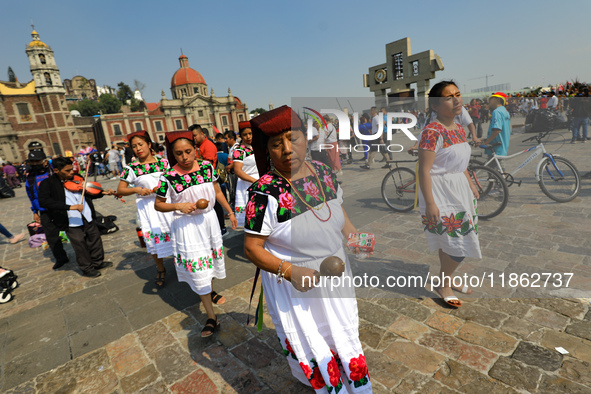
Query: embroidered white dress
point(456, 232)
point(319, 329)
point(196, 237)
point(155, 225)
point(243, 154)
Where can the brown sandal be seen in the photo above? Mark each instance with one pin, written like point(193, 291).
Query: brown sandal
point(160, 282)
point(210, 327)
point(217, 298)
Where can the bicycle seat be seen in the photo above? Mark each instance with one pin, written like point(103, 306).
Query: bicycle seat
point(489, 146)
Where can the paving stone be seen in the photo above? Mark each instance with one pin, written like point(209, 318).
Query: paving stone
point(218, 361)
point(479, 314)
point(414, 356)
point(385, 370)
point(173, 363)
point(460, 377)
point(442, 343)
point(432, 386)
point(244, 382)
point(231, 334)
point(556, 385)
point(86, 365)
point(196, 382)
point(408, 328)
point(579, 348)
point(531, 354)
point(578, 371)
point(277, 375)
point(102, 382)
point(546, 318)
point(154, 337)
point(486, 337)
point(21, 369)
point(504, 305)
point(411, 383)
point(129, 361)
point(99, 335)
point(387, 339)
point(155, 388)
point(24, 388)
point(141, 378)
point(32, 337)
point(180, 321)
point(120, 345)
point(580, 329)
point(370, 334)
point(65, 385)
point(444, 322)
point(515, 374)
point(376, 314)
point(254, 353)
point(522, 329)
point(477, 357)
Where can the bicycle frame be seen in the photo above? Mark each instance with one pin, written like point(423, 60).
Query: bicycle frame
point(537, 150)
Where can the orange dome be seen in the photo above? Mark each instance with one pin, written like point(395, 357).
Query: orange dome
point(185, 74)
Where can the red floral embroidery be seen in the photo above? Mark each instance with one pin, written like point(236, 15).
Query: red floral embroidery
point(286, 200)
point(312, 190)
point(358, 368)
point(426, 222)
point(288, 346)
point(307, 370)
point(434, 131)
point(429, 139)
point(451, 223)
point(333, 372)
point(317, 380)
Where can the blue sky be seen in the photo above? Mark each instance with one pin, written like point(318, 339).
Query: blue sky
point(270, 51)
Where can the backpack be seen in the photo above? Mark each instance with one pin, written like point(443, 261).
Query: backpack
point(106, 224)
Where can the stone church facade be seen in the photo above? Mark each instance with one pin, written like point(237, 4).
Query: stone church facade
point(35, 114)
point(192, 102)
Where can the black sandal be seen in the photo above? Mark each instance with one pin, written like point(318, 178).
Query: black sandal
point(160, 282)
point(217, 298)
point(210, 327)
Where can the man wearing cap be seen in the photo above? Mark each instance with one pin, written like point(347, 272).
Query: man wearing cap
point(499, 129)
point(38, 172)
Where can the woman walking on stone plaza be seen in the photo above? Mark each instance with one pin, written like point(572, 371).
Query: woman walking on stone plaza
point(287, 237)
point(196, 237)
point(245, 169)
point(447, 196)
point(141, 178)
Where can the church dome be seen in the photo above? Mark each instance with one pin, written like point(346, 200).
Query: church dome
point(36, 43)
point(185, 75)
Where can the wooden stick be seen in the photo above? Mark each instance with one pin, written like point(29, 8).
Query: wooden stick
point(85, 178)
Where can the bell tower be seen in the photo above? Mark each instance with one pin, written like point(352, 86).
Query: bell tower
point(43, 67)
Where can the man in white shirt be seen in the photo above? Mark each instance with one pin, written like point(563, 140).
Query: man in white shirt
point(331, 138)
point(113, 157)
point(463, 119)
point(315, 144)
point(552, 102)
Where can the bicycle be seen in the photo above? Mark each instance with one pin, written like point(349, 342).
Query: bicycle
point(399, 188)
point(557, 177)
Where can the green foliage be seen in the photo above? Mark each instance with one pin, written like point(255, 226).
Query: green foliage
point(109, 104)
point(124, 92)
point(135, 105)
point(86, 107)
point(258, 111)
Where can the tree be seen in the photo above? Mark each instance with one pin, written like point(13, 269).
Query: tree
point(258, 111)
point(11, 75)
point(109, 104)
point(86, 107)
point(135, 105)
point(139, 86)
point(124, 93)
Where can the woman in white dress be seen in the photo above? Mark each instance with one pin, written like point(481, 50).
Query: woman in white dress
point(294, 220)
point(447, 196)
point(196, 238)
point(141, 178)
point(245, 168)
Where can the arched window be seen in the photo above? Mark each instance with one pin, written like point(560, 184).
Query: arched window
point(47, 79)
point(42, 58)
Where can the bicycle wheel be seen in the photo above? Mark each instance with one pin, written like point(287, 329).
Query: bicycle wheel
point(398, 189)
point(493, 191)
point(561, 188)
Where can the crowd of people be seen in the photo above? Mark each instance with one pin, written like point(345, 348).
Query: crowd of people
point(285, 192)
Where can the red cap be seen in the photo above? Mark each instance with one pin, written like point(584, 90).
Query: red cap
point(243, 125)
point(141, 133)
point(277, 121)
point(500, 95)
point(170, 138)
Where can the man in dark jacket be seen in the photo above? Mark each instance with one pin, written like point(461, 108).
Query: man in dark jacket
point(67, 214)
point(38, 172)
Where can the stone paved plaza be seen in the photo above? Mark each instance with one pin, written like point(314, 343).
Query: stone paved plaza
point(120, 334)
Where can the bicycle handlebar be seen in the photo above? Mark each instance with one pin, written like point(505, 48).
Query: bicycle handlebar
point(537, 137)
point(482, 146)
